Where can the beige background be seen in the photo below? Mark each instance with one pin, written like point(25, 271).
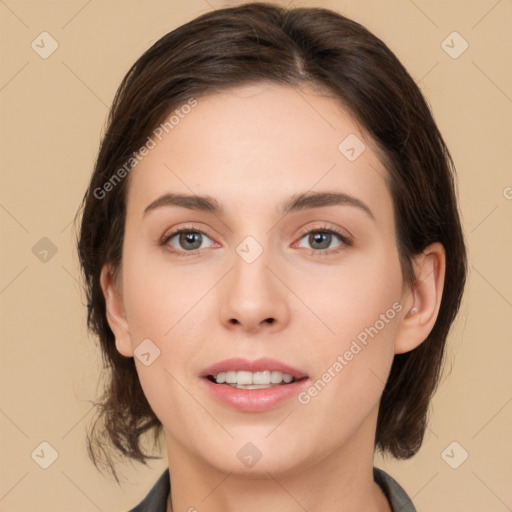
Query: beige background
point(53, 111)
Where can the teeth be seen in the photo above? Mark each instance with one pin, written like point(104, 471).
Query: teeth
point(244, 378)
point(261, 377)
point(287, 378)
point(252, 380)
point(230, 377)
point(276, 377)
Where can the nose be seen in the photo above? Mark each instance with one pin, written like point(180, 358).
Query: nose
point(253, 299)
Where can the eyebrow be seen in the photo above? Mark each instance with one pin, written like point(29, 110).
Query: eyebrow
point(298, 202)
point(320, 199)
point(191, 202)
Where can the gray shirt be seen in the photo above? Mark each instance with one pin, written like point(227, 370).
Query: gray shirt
point(156, 500)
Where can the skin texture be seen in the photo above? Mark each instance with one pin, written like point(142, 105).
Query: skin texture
point(252, 148)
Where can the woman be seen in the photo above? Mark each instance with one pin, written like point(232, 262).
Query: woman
point(273, 257)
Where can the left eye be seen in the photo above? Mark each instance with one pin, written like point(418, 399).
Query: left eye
point(322, 240)
point(188, 240)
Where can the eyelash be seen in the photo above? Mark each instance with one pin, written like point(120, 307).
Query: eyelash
point(166, 238)
point(332, 231)
point(315, 252)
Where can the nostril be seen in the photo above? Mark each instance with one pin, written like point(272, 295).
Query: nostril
point(234, 321)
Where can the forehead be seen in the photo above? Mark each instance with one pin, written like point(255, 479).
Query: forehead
point(259, 143)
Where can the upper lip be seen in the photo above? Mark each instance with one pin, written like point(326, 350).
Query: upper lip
point(258, 365)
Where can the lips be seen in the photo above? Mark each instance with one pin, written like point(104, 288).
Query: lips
point(253, 398)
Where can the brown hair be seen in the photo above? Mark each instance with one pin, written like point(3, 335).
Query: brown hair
point(295, 47)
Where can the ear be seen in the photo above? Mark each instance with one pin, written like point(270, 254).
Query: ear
point(421, 304)
point(116, 315)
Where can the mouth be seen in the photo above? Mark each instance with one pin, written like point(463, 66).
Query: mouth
point(253, 386)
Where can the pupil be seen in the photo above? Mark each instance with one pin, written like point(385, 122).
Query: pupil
point(322, 239)
point(194, 239)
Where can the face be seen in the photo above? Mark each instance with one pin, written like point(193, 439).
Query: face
point(283, 249)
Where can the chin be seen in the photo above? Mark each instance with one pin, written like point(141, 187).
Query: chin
point(257, 458)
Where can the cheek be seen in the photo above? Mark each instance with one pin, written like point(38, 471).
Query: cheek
point(360, 304)
point(158, 299)
point(354, 295)
point(354, 364)
point(162, 303)
point(157, 294)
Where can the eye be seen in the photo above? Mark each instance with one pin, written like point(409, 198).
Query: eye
point(324, 240)
point(186, 240)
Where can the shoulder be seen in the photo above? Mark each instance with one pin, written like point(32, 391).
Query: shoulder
point(397, 497)
point(156, 500)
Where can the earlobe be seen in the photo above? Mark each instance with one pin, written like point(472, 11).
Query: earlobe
point(116, 316)
point(421, 304)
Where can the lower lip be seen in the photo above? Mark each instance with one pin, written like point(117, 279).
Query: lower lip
point(254, 400)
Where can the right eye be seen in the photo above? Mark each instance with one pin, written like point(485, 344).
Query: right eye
point(186, 240)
